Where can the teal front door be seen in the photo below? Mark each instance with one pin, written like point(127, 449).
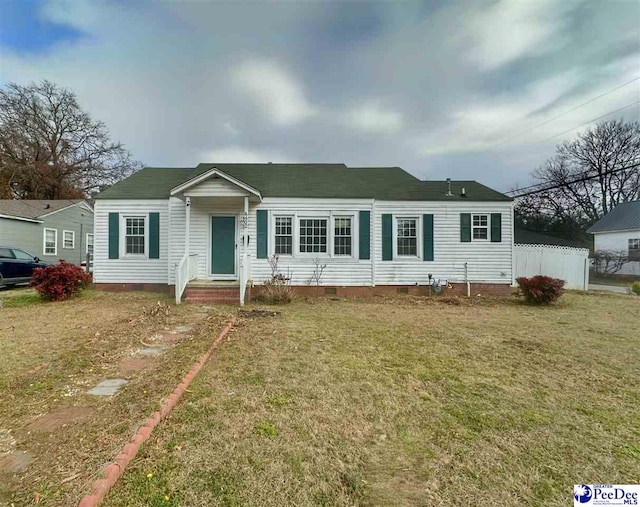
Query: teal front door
point(223, 246)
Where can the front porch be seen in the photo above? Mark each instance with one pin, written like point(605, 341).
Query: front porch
point(214, 266)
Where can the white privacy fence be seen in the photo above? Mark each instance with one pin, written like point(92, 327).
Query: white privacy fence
point(568, 264)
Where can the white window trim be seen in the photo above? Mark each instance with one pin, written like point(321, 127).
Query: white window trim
point(293, 233)
point(330, 216)
point(44, 241)
point(73, 240)
point(123, 237)
point(488, 227)
point(418, 220)
point(86, 243)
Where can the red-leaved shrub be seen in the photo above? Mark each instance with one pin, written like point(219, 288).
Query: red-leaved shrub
point(59, 281)
point(540, 290)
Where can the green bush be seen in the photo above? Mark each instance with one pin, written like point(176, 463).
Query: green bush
point(635, 288)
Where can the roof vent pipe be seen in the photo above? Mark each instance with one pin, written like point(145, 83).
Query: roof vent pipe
point(449, 194)
point(463, 193)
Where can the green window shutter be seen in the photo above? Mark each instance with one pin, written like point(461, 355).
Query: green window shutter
point(114, 235)
point(364, 245)
point(496, 227)
point(154, 235)
point(387, 237)
point(427, 237)
point(262, 230)
point(465, 227)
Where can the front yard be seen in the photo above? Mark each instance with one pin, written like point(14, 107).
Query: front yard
point(405, 402)
point(54, 437)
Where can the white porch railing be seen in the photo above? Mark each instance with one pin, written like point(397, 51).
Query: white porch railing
point(186, 270)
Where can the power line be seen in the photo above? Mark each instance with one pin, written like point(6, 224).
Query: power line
point(591, 121)
point(578, 180)
point(566, 112)
point(537, 185)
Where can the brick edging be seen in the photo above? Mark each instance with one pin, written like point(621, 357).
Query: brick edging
point(115, 469)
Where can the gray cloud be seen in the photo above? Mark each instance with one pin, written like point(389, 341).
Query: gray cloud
point(434, 88)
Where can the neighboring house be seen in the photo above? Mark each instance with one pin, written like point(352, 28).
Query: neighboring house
point(619, 232)
point(48, 229)
point(378, 230)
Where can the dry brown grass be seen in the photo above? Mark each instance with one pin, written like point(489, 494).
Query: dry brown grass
point(405, 402)
point(53, 352)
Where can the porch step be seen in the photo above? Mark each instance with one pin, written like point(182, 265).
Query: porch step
point(216, 294)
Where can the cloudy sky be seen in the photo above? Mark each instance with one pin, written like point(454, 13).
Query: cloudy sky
point(469, 90)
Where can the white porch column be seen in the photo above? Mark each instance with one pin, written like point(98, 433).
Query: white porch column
point(245, 251)
point(187, 235)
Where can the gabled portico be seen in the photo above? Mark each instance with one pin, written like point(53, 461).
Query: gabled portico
point(216, 238)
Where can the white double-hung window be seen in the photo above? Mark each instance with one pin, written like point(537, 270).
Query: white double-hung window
point(342, 236)
point(407, 237)
point(50, 242)
point(283, 236)
point(134, 235)
point(68, 239)
point(480, 227)
point(634, 249)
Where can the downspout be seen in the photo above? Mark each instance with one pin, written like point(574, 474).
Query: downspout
point(372, 246)
point(466, 278)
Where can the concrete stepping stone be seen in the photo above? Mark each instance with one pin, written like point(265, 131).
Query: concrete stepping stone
point(153, 350)
point(60, 417)
point(15, 461)
point(108, 387)
point(186, 328)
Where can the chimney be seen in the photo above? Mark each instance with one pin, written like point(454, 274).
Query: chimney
point(449, 194)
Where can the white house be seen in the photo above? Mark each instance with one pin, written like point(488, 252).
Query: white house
point(618, 232)
point(378, 230)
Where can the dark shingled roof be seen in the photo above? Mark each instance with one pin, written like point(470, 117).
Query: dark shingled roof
point(526, 237)
point(624, 217)
point(33, 208)
point(306, 180)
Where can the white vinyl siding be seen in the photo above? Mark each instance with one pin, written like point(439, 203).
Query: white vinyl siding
point(618, 241)
point(487, 262)
point(68, 239)
point(50, 241)
point(218, 187)
point(129, 268)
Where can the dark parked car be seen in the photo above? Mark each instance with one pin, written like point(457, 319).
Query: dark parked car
point(16, 266)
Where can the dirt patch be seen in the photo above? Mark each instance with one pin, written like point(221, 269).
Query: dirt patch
point(252, 314)
point(60, 417)
point(173, 337)
point(133, 364)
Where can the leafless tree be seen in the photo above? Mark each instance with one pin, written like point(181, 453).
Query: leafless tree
point(608, 262)
point(51, 149)
point(602, 157)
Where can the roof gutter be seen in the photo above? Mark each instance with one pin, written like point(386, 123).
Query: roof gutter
point(23, 219)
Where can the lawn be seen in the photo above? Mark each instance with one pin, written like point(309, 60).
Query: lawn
point(52, 353)
point(405, 402)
